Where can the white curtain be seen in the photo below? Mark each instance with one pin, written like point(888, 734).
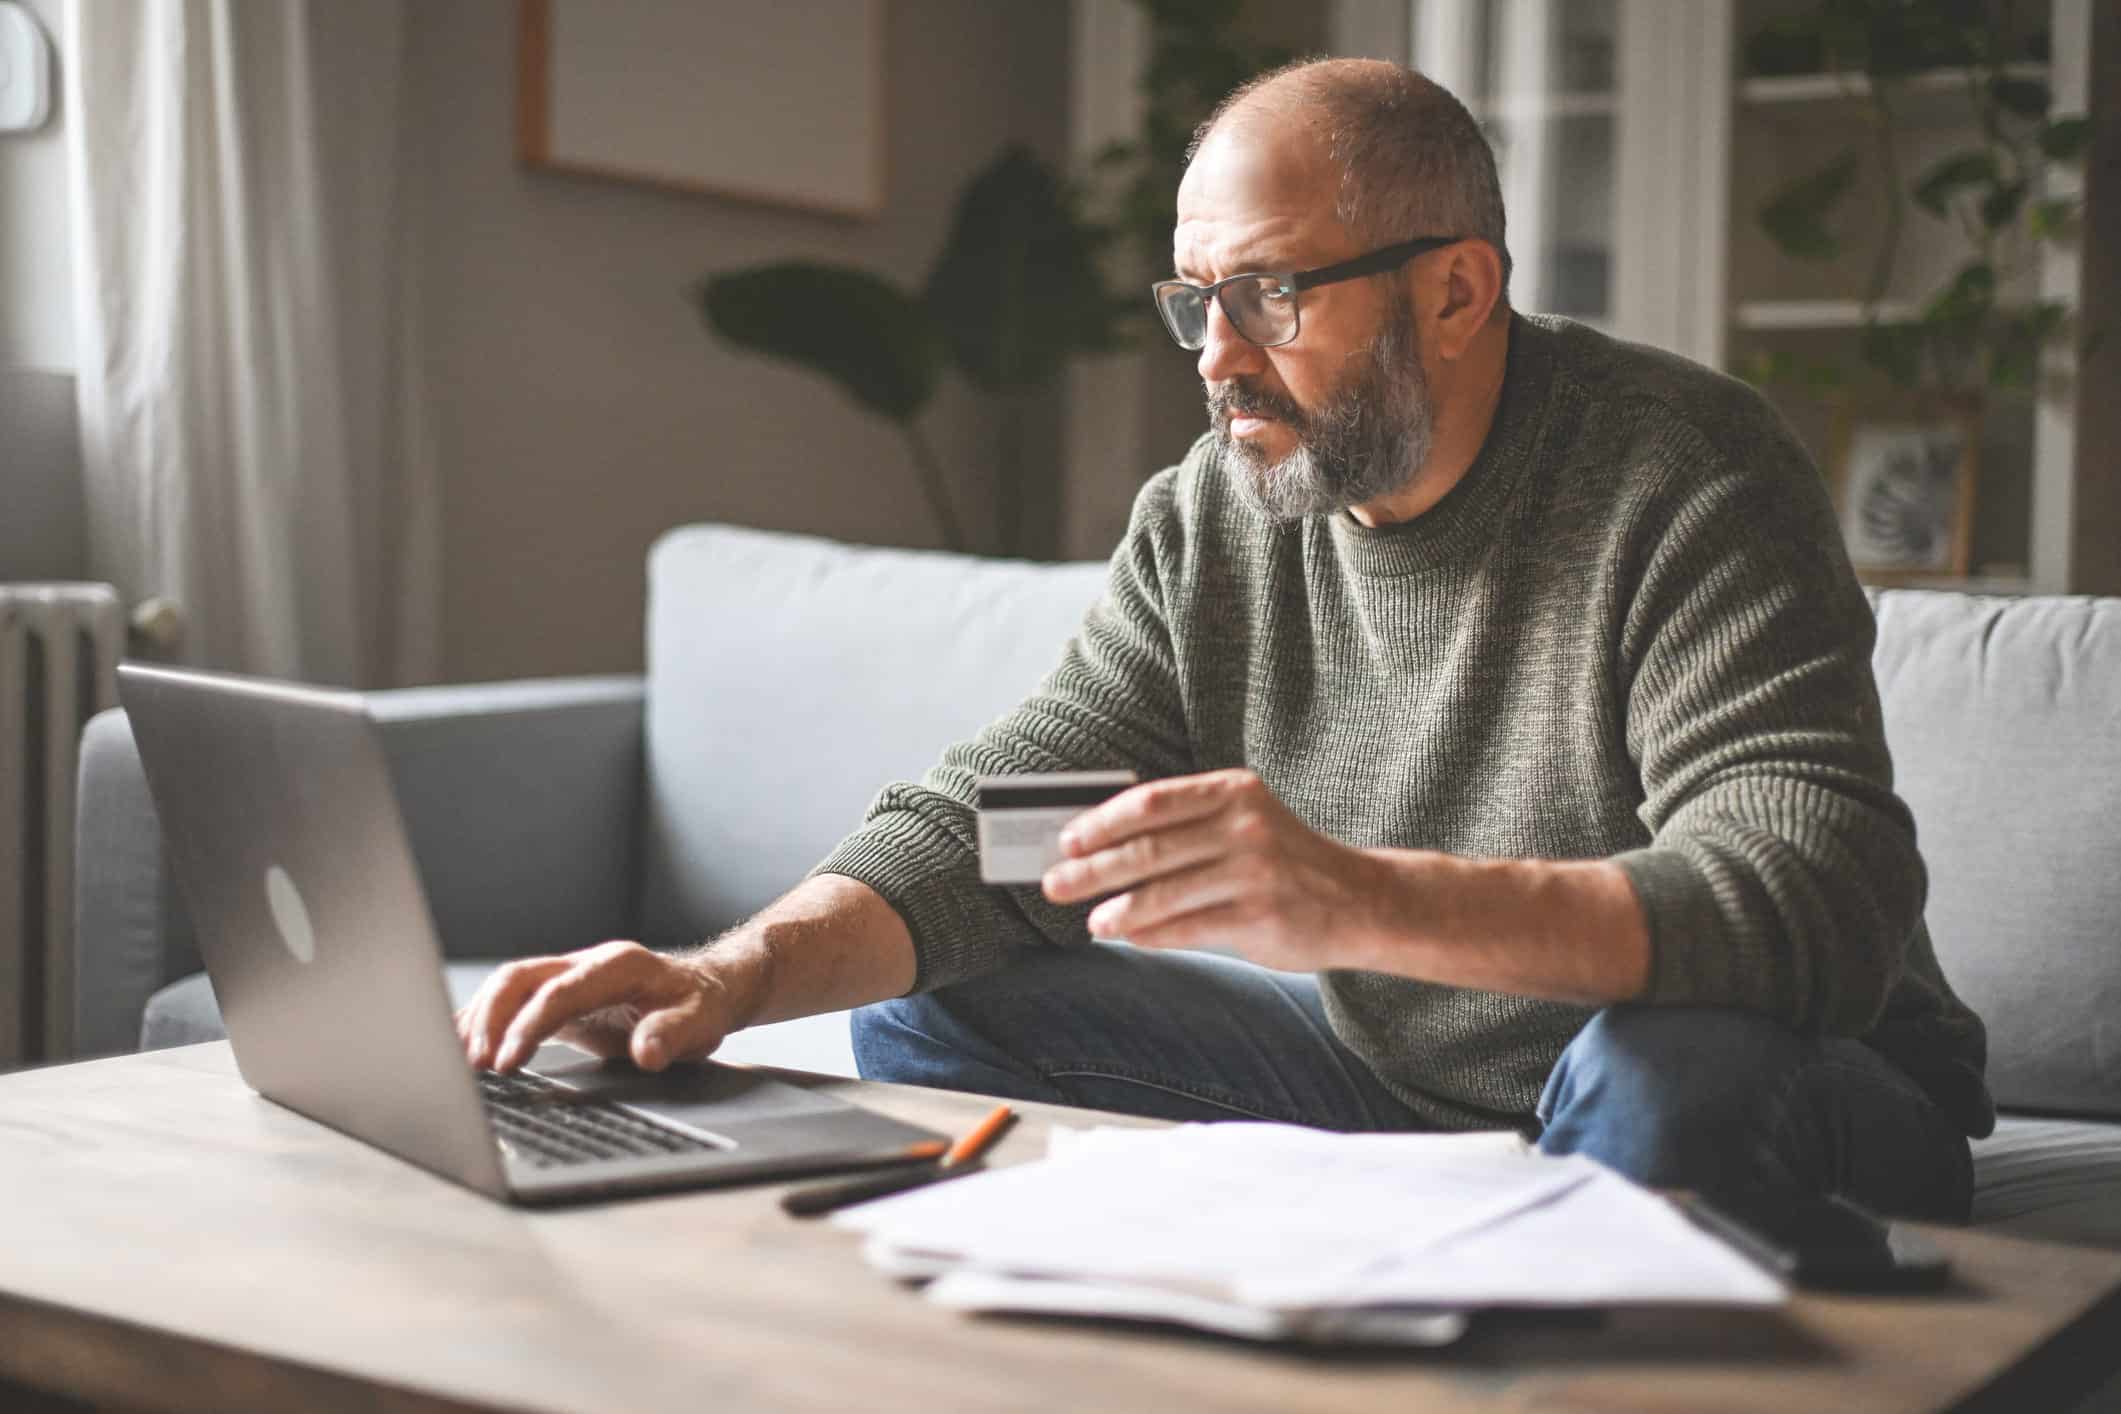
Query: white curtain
point(246, 314)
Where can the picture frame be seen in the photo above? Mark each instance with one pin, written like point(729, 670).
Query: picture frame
point(776, 105)
point(1903, 473)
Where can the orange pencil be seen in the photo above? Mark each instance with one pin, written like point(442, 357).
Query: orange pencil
point(981, 1139)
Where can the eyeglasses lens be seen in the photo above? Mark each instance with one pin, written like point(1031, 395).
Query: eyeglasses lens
point(1262, 310)
point(1185, 313)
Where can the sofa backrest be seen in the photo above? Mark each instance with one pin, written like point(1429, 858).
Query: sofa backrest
point(790, 678)
point(2004, 719)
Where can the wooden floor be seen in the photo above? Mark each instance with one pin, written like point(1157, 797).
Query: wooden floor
point(170, 1240)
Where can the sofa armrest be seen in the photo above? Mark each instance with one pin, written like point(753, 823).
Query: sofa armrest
point(522, 801)
point(131, 933)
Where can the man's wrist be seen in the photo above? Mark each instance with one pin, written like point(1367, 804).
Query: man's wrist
point(1400, 922)
point(740, 965)
point(1563, 930)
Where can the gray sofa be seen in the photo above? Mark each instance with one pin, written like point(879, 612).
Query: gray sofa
point(790, 677)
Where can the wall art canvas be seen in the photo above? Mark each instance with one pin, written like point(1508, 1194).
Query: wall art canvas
point(777, 104)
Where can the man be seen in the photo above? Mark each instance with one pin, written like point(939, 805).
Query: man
point(1501, 689)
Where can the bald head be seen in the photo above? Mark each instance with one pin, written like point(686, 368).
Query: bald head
point(1403, 155)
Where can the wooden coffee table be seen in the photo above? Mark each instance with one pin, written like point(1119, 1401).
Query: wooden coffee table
point(170, 1240)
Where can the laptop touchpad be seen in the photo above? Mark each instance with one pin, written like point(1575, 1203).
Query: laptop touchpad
point(693, 1093)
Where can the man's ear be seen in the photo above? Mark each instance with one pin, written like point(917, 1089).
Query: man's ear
point(1469, 275)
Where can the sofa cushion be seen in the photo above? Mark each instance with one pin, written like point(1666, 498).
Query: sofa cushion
point(2004, 719)
point(185, 1012)
point(2050, 1178)
point(791, 678)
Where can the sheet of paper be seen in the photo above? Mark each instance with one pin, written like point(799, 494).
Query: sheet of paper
point(989, 1291)
point(1279, 1219)
point(1603, 1243)
point(1222, 1208)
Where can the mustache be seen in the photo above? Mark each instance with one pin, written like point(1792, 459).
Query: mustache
point(1240, 398)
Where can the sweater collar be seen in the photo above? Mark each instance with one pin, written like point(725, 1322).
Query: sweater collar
point(1465, 518)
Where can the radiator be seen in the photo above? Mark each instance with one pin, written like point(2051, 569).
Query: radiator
point(59, 649)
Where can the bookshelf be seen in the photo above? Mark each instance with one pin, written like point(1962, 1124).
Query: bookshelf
point(1635, 152)
point(2027, 471)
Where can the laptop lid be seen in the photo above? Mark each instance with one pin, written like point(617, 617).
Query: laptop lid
point(283, 832)
point(283, 829)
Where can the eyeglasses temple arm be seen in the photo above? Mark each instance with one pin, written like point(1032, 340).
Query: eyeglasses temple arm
point(1376, 262)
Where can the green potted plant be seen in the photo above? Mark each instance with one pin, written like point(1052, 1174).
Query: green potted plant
point(1963, 337)
point(1016, 290)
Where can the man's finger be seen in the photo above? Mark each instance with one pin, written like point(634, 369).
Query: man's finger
point(591, 984)
point(1155, 805)
point(1159, 902)
point(1203, 928)
point(665, 1035)
point(601, 1036)
point(1146, 856)
point(495, 1005)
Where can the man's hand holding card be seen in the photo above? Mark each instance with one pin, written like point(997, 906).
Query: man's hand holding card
point(1205, 860)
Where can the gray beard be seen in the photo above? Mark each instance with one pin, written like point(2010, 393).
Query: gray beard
point(1369, 440)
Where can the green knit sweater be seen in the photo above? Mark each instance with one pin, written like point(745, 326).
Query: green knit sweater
point(1630, 632)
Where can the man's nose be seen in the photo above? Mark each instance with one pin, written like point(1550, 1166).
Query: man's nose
point(1226, 352)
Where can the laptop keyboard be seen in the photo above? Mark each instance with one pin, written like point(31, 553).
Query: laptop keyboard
point(546, 1125)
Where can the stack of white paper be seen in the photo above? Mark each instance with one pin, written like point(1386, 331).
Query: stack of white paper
point(1275, 1232)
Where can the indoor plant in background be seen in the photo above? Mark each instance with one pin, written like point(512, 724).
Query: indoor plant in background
point(1963, 336)
point(1024, 281)
point(1908, 420)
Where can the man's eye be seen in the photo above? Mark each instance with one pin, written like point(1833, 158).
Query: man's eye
point(1278, 294)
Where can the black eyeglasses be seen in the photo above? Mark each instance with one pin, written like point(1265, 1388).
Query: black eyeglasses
point(1262, 306)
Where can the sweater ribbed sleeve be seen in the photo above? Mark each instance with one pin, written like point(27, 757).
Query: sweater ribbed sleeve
point(1781, 875)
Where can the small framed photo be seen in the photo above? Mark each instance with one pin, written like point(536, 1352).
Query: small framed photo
point(1903, 483)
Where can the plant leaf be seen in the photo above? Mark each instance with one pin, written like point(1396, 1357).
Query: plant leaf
point(1933, 191)
point(2000, 207)
point(1895, 350)
point(1966, 300)
point(2052, 218)
point(1017, 288)
point(1794, 216)
point(2064, 139)
point(856, 329)
point(2028, 98)
point(2015, 347)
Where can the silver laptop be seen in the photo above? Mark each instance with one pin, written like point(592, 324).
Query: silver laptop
point(283, 830)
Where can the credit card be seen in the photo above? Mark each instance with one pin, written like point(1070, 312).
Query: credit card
point(1020, 818)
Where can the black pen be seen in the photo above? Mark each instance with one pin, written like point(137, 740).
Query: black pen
point(825, 1197)
point(962, 1159)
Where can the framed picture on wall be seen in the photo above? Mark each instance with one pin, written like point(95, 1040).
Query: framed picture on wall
point(1903, 480)
point(778, 104)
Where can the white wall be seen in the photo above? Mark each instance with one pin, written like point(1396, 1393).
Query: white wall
point(36, 264)
point(582, 408)
point(40, 483)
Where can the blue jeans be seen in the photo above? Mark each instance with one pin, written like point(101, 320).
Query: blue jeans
point(1722, 1102)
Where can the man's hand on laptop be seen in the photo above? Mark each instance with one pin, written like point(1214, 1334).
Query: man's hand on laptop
point(615, 999)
